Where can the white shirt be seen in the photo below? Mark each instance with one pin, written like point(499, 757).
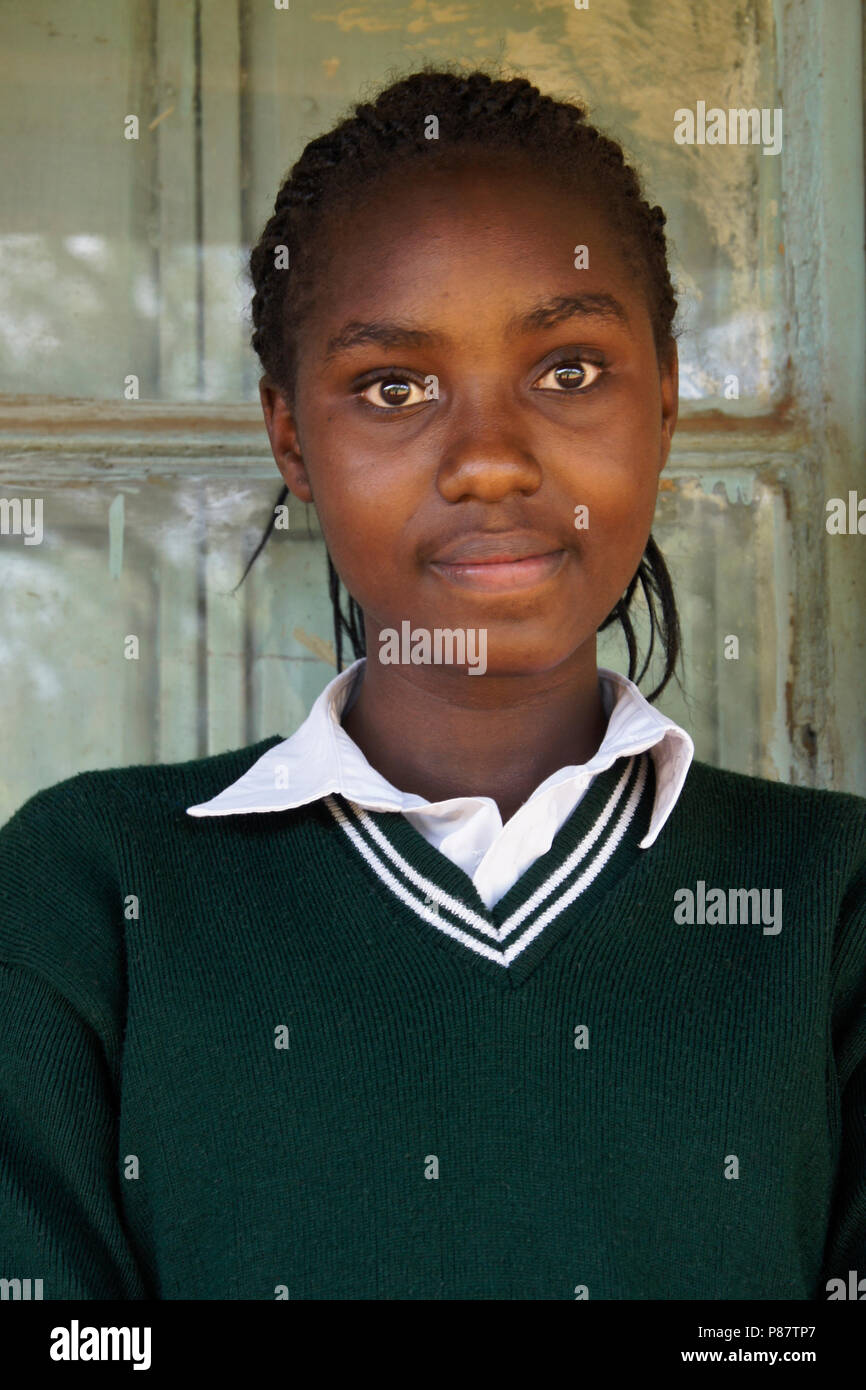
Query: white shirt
point(320, 759)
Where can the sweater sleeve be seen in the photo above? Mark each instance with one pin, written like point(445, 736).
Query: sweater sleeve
point(62, 1002)
point(845, 1250)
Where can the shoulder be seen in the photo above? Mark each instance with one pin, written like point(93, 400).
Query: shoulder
point(134, 793)
point(789, 822)
point(66, 856)
point(738, 790)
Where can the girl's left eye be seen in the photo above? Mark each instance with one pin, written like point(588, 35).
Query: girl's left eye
point(572, 377)
point(392, 392)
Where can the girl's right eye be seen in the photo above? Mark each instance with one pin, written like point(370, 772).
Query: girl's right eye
point(393, 392)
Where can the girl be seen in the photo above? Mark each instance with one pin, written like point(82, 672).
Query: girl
point(478, 986)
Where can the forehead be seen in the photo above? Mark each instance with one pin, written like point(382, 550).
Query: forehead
point(497, 229)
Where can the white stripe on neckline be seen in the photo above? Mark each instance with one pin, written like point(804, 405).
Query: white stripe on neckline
point(462, 910)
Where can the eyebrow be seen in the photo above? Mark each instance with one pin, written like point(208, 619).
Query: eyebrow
point(550, 312)
point(547, 314)
point(385, 332)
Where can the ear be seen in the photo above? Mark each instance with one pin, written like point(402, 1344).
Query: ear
point(281, 426)
point(669, 381)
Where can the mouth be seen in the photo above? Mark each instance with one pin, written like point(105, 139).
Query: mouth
point(501, 571)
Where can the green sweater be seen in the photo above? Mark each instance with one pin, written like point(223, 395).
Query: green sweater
point(292, 1054)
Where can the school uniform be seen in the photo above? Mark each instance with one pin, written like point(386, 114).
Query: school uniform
point(271, 1027)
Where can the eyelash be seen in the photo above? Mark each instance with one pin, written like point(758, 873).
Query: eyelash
point(568, 359)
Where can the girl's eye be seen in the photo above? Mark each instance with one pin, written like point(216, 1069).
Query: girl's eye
point(572, 377)
point(391, 392)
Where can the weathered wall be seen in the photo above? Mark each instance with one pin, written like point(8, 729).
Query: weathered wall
point(122, 257)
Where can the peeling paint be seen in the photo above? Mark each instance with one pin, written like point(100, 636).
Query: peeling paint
point(737, 485)
point(317, 645)
point(115, 536)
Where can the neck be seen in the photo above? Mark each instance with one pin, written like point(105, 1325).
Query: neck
point(443, 735)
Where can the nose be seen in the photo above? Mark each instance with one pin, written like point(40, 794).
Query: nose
point(487, 455)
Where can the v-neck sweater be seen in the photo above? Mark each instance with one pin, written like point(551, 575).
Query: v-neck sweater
point(294, 1055)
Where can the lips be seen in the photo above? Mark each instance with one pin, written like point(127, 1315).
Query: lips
point(498, 561)
point(494, 548)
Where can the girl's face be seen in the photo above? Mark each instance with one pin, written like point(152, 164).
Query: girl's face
point(462, 389)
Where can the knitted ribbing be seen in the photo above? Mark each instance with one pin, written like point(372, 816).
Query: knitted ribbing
point(236, 1063)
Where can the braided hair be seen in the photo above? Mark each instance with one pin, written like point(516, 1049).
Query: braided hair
point(494, 116)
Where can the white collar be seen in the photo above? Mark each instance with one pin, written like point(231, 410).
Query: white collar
point(320, 759)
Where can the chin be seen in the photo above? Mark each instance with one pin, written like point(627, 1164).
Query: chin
point(531, 659)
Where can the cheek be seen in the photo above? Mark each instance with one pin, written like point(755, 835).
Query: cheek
point(618, 478)
point(611, 534)
point(613, 544)
point(618, 492)
point(362, 509)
